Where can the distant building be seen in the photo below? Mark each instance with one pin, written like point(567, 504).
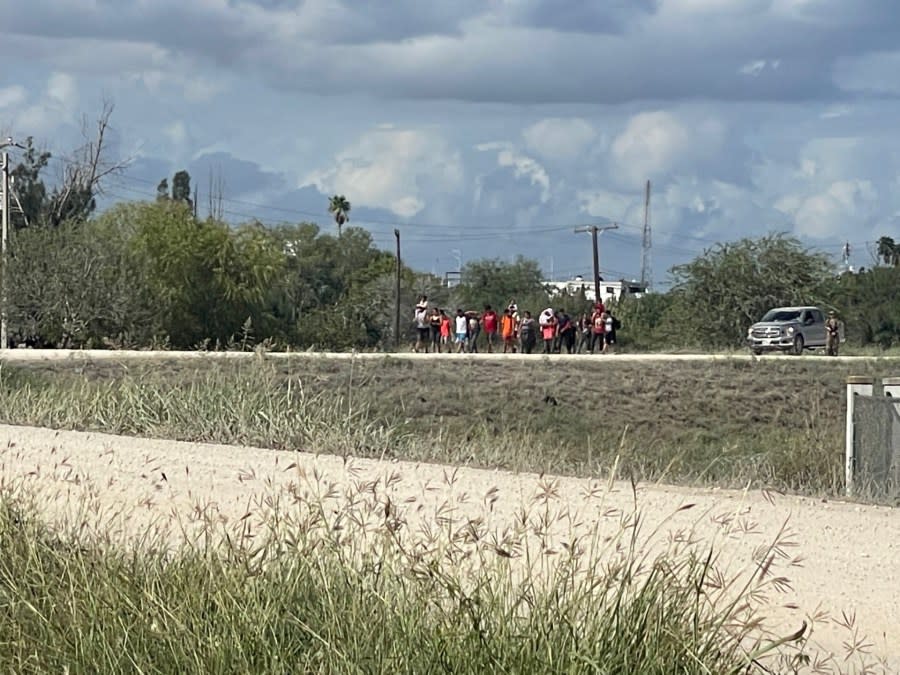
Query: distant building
point(452, 279)
point(609, 290)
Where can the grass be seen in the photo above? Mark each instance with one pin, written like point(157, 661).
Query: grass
point(351, 583)
point(775, 424)
point(373, 596)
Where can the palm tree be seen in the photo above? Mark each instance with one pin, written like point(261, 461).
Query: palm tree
point(339, 207)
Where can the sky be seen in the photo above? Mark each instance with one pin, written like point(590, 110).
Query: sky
point(487, 128)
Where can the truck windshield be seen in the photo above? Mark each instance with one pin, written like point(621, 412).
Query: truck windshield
point(782, 315)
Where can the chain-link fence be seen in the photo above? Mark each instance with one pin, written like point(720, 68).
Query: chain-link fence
point(876, 446)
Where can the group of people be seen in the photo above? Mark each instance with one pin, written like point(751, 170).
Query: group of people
point(555, 329)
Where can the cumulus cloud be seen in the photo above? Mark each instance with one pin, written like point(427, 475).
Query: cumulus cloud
point(393, 169)
point(651, 145)
point(560, 138)
point(12, 96)
point(47, 111)
point(522, 165)
point(827, 213)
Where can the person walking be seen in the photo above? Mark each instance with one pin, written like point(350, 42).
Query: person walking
point(489, 324)
point(421, 321)
point(474, 330)
point(527, 333)
point(598, 328)
point(547, 320)
point(508, 330)
point(446, 330)
point(565, 333)
point(609, 332)
point(434, 326)
point(584, 329)
point(832, 334)
point(462, 331)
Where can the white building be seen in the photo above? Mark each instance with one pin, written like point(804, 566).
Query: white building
point(609, 290)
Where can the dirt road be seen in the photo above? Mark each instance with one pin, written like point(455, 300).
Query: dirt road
point(841, 559)
point(37, 355)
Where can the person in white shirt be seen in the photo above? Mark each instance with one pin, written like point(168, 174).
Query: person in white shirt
point(609, 336)
point(462, 330)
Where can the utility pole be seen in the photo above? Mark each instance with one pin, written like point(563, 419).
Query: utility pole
point(397, 295)
point(594, 229)
point(646, 270)
point(4, 239)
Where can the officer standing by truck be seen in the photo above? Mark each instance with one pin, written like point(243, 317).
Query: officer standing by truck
point(832, 334)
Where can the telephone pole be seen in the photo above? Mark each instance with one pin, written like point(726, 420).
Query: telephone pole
point(646, 270)
point(397, 295)
point(594, 230)
point(4, 235)
point(4, 238)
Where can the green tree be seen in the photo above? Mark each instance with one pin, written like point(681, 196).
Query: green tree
point(181, 188)
point(496, 282)
point(28, 187)
point(162, 190)
point(339, 208)
point(206, 278)
point(647, 321)
point(869, 304)
point(888, 251)
point(76, 285)
point(718, 295)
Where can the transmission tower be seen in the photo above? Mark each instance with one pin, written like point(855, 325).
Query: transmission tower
point(646, 270)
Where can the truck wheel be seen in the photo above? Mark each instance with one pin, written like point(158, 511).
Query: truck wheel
point(797, 349)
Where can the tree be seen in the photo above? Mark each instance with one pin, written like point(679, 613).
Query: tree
point(28, 189)
point(496, 282)
point(74, 195)
point(718, 295)
point(162, 190)
point(181, 188)
point(77, 286)
point(339, 207)
point(888, 251)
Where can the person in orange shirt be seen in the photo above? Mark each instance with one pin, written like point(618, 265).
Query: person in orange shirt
point(445, 330)
point(508, 331)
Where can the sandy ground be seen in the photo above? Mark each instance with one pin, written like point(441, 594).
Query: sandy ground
point(840, 558)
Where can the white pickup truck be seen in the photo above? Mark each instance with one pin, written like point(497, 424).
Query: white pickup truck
point(788, 329)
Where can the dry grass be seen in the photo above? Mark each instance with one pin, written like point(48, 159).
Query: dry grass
point(327, 578)
point(773, 424)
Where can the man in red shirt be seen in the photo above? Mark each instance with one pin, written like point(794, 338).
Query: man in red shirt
point(489, 323)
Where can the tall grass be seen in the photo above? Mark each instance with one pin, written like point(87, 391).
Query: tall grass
point(255, 403)
point(371, 596)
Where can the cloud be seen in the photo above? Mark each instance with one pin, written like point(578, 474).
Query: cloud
point(12, 96)
point(560, 138)
point(51, 109)
point(393, 169)
point(651, 145)
point(522, 165)
point(827, 213)
point(530, 51)
point(756, 68)
point(62, 89)
point(581, 16)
